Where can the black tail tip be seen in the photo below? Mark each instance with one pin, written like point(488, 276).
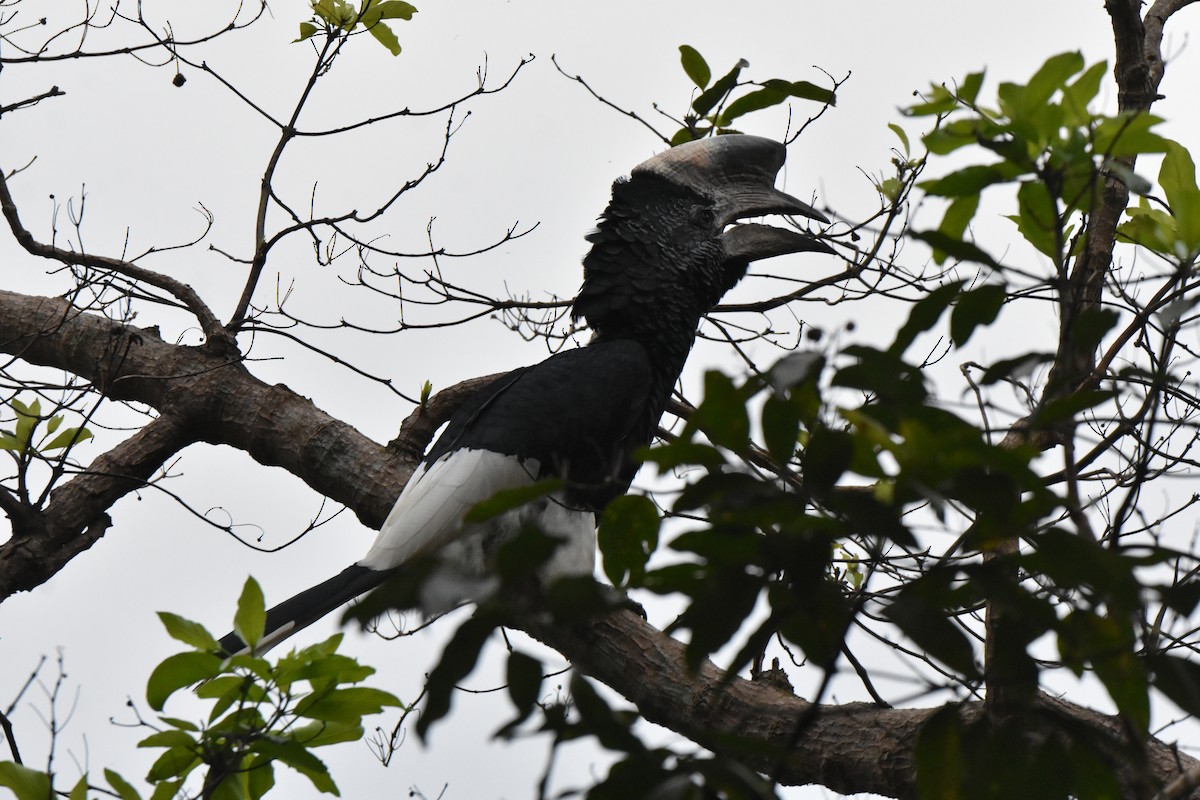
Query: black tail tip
point(232, 644)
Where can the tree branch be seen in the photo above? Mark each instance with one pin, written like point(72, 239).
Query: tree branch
point(76, 516)
point(213, 330)
point(207, 398)
point(848, 748)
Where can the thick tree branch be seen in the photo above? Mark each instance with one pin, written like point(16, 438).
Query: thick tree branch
point(208, 398)
point(849, 748)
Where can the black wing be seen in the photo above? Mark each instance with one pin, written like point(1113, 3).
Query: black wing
point(579, 414)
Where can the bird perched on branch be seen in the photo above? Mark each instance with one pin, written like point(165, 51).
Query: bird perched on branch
point(663, 254)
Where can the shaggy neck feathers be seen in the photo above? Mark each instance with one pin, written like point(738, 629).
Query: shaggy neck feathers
point(654, 269)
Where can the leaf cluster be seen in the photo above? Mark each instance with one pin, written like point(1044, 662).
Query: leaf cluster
point(1045, 140)
point(721, 102)
point(336, 18)
point(25, 438)
point(263, 714)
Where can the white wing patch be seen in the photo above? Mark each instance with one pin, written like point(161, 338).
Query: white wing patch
point(428, 516)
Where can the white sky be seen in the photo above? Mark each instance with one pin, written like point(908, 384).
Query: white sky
point(543, 151)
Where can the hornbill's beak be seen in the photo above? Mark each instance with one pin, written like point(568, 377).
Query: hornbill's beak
point(739, 172)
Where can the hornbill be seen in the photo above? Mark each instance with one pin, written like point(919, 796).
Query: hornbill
point(662, 255)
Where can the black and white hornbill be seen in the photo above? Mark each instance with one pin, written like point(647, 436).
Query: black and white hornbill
point(663, 254)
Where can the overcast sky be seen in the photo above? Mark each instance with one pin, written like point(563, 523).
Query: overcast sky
point(541, 152)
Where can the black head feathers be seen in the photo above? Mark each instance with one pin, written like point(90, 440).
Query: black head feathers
point(662, 256)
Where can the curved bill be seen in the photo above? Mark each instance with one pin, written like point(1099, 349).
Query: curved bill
point(737, 170)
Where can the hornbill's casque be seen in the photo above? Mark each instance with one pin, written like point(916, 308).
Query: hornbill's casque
point(662, 256)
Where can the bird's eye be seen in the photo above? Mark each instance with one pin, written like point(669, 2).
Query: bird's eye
point(703, 217)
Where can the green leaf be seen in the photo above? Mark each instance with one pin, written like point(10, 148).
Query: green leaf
point(709, 98)
point(938, 101)
point(338, 13)
point(68, 437)
point(299, 758)
point(1149, 227)
point(188, 632)
point(28, 417)
point(511, 499)
point(685, 135)
point(347, 706)
point(25, 783)
point(781, 426)
point(1108, 642)
point(972, 179)
point(259, 777)
point(322, 734)
point(1128, 135)
point(1015, 368)
point(167, 790)
point(386, 37)
point(827, 456)
point(122, 787)
point(924, 315)
point(718, 610)
point(1065, 408)
point(1079, 95)
point(1177, 678)
point(173, 738)
point(748, 103)
point(902, 136)
point(1038, 219)
point(174, 763)
point(395, 9)
point(1090, 326)
point(1078, 563)
point(373, 14)
point(722, 414)
point(803, 90)
point(627, 537)
point(524, 554)
point(307, 31)
point(953, 135)
point(939, 756)
point(612, 729)
point(1050, 78)
point(956, 248)
point(250, 619)
point(682, 452)
point(921, 610)
point(182, 724)
point(178, 671)
point(524, 679)
point(457, 661)
point(1178, 180)
point(977, 307)
point(695, 66)
point(958, 216)
point(796, 369)
point(968, 87)
point(894, 382)
point(1182, 597)
point(79, 791)
point(1133, 182)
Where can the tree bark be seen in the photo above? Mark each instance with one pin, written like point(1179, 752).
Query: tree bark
point(200, 397)
point(849, 747)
